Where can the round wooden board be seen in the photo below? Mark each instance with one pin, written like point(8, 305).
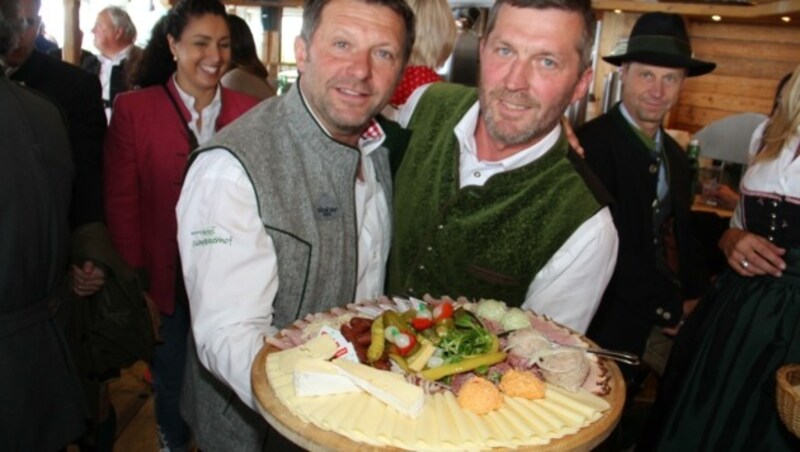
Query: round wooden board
point(311, 437)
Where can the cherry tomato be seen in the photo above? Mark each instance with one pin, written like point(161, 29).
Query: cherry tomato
point(420, 324)
point(405, 343)
point(443, 311)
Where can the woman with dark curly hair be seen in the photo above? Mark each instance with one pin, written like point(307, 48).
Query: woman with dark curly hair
point(180, 104)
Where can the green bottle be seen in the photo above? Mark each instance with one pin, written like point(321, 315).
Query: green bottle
point(693, 153)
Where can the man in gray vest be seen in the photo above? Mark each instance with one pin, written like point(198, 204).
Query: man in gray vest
point(489, 200)
point(286, 212)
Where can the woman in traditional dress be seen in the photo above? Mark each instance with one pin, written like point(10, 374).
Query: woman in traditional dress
point(719, 390)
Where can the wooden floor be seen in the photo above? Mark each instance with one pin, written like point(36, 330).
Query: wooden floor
point(132, 398)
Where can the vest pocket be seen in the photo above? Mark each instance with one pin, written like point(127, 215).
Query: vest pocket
point(492, 277)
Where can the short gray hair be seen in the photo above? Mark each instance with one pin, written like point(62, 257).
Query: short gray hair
point(583, 8)
point(121, 20)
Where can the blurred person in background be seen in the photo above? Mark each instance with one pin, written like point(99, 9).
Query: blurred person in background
point(77, 93)
point(43, 406)
point(114, 35)
point(180, 105)
point(247, 73)
point(437, 34)
point(718, 391)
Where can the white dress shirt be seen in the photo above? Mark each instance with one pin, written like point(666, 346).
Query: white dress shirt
point(231, 268)
point(570, 285)
point(209, 114)
point(106, 65)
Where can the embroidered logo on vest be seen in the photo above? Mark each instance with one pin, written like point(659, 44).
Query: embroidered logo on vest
point(327, 208)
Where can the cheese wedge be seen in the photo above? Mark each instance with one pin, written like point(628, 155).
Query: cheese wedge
point(315, 377)
point(388, 387)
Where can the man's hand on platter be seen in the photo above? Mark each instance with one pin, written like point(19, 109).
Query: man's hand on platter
point(750, 254)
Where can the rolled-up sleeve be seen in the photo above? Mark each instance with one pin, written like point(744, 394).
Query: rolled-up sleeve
point(569, 287)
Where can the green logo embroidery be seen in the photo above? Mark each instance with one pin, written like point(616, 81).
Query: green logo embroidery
point(209, 236)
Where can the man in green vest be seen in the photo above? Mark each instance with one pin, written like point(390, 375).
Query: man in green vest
point(660, 271)
point(490, 202)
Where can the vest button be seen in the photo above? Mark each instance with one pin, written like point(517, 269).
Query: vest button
point(655, 202)
point(421, 267)
point(667, 316)
point(410, 290)
point(429, 249)
point(440, 227)
point(660, 311)
point(653, 168)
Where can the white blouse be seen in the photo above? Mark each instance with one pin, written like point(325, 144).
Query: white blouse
point(780, 176)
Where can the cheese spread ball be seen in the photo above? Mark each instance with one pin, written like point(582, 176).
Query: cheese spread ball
point(517, 383)
point(480, 396)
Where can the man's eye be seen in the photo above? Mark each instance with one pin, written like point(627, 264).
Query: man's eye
point(340, 44)
point(385, 55)
point(503, 51)
point(549, 63)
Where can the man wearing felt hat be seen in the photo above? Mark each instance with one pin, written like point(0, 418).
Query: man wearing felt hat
point(659, 272)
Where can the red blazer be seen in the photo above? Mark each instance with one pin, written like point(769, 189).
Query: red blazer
point(145, 154)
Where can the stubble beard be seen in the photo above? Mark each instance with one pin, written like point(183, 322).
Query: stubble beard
point(541, 122)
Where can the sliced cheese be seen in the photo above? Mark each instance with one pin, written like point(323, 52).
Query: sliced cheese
point(322, 346)
point(316, 377)
point(388, 387)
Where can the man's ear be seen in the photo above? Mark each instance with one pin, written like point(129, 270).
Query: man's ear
point(583, 84)
point(300, 53)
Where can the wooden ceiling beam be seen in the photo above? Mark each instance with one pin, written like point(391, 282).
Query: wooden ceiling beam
point(701, 9)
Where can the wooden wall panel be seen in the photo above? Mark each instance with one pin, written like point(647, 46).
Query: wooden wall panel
point(750, 61)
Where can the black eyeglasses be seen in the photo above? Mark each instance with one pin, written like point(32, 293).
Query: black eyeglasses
point(29, 22)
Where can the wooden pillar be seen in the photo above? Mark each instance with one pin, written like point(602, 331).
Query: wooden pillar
point(72, 40)
point(614, 27)
point(271, 40)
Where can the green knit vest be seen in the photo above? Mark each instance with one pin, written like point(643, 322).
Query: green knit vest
point(478, 242)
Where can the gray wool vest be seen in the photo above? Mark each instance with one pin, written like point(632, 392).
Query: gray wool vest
point(304, 183)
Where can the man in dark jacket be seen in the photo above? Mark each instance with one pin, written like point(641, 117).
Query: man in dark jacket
point(659, 272)
point(78, 95)
point(42, 406)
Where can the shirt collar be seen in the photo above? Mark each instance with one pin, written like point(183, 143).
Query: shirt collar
point(465, 133)
point(188, 99)
point(650, 142)
point(116, 59)
point(370, 139)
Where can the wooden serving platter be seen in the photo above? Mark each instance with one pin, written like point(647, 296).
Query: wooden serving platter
point(311, 437)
